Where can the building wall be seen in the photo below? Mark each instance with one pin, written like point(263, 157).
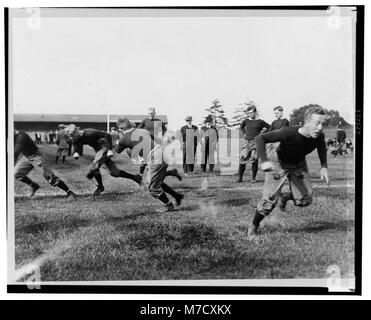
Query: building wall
point(51, 126)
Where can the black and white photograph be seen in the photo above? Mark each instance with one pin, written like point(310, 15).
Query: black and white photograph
point(214, 147)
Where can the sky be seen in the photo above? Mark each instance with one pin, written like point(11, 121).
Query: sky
point(179, 64)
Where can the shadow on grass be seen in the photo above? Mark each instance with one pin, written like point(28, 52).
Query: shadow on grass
point(320, 226)
point(53, 226)
point(156, 235)
point(188, 208)
point(234, 202)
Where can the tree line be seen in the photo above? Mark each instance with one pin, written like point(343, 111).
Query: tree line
point(220, 120)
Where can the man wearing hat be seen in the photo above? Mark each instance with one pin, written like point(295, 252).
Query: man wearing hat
point(209, 138)
point(189, 134)
point(62, 141)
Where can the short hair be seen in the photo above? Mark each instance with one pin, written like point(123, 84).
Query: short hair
point(253, 108)
point(279, 108)
point(102, 142)
point(126, 122)
point(314, 110)
point(71, 128)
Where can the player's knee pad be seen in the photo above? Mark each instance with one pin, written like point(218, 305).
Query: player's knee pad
point(18, 176)
point(53, 180)
point(306, 201)
point(265, 206)
point(156, 193)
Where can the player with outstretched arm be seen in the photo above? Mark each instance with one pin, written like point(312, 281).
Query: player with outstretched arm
point(295, 144)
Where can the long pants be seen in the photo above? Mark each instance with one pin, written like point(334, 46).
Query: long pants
point(156, 175)
point(37, 162)
point(102, 161)
point(208, 151)
point(299, 182)
point(248, 154)
point(189, 159)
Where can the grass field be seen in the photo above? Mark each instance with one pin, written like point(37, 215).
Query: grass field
point(118, 235)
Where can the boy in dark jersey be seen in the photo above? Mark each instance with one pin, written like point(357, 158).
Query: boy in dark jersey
point(250, 127)
point(32, 158)
point(277, 124)
point(295, 144)
point(141, 143)
point(98, 140)
point(280, 122)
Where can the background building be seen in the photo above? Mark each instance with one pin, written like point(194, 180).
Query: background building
point(47, 122)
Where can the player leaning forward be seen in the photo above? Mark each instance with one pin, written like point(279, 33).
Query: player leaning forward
point(141, 143)
point(33, 158)
point(295, 144)
point(101, 142)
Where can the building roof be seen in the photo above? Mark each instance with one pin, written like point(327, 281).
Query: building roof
point(70, 118)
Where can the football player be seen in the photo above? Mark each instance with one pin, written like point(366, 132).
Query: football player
point(33, 158)
point(141, 142)
point(154, 126)
point(101, 142)
point(295, 144)
point(250, 127)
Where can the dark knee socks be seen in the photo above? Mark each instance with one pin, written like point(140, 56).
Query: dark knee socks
point(28, 181)
point(163, 198)
point(63, 186)
point(254, 168)
point(257, 218)
point(98, 177)
point(170, 190)
point(124, 174)
point(241, 170)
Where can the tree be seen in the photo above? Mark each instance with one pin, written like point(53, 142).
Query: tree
point(239, 116)
point(297, 117)
point(216, 113)
point(240, 113)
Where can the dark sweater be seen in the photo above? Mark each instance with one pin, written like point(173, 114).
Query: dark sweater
point(251, 128)
point(132, 138)
point(91, 137)
point(24, 144)
point(279, 124)
point(154, 126)
point(293, 147)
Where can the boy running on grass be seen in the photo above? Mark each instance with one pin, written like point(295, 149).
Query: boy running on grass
point(295, 144)
point(141, 143)
point(32, 158)
point(101, 142)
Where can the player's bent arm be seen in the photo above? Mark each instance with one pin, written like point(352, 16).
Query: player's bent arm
point(260, 148)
